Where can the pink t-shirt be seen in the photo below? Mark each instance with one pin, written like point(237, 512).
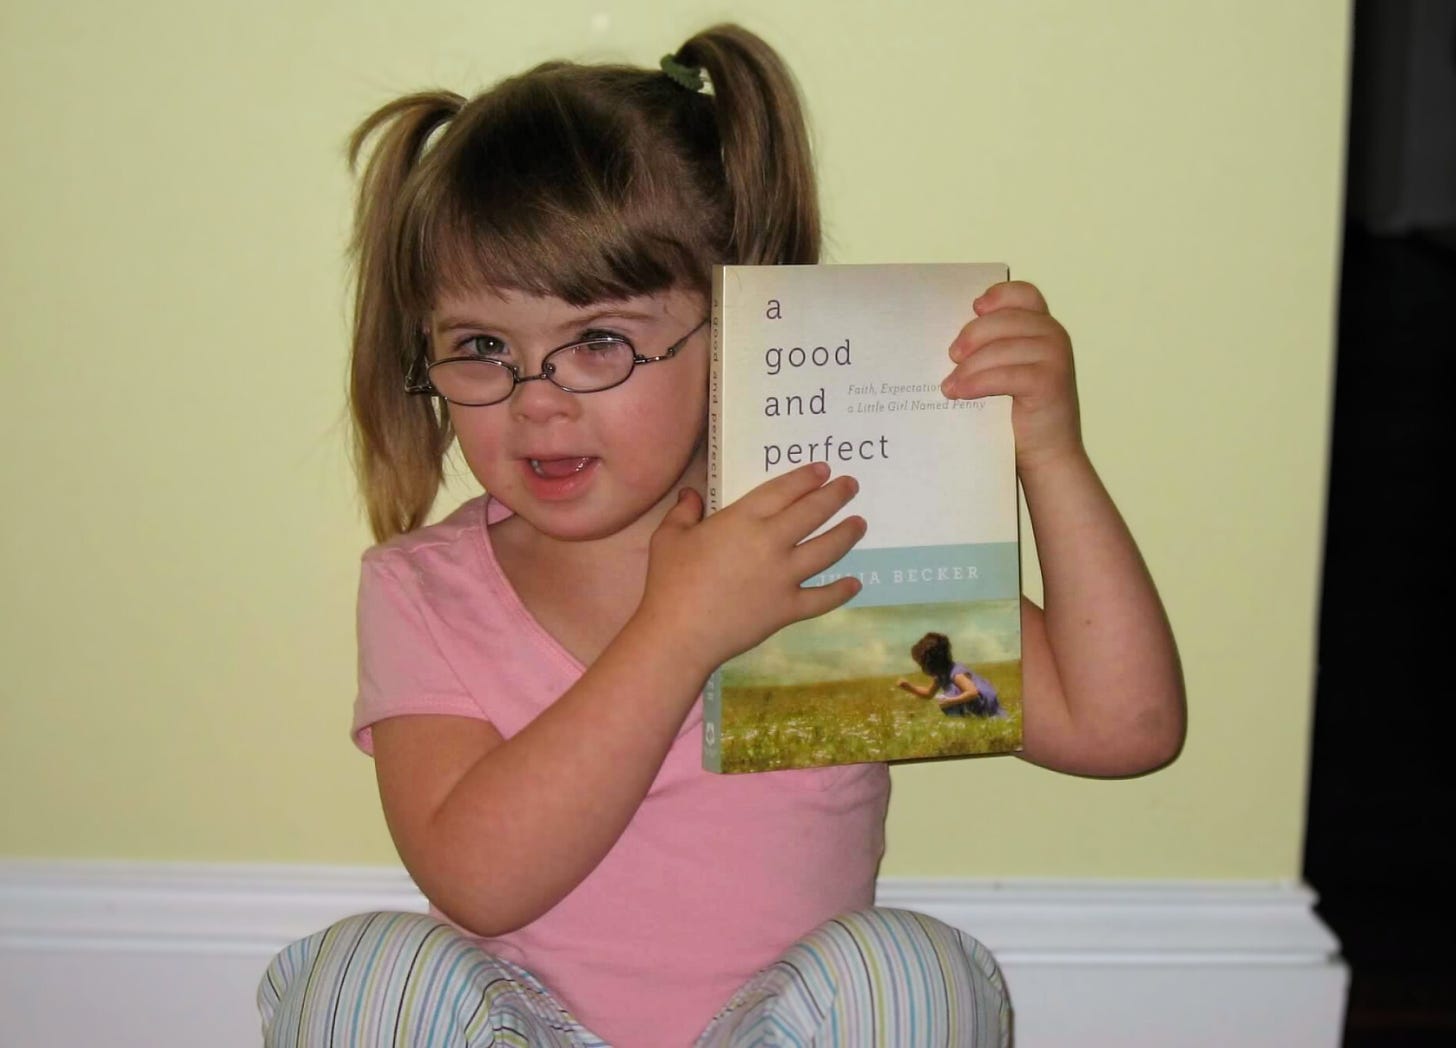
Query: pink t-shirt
point(715, 876)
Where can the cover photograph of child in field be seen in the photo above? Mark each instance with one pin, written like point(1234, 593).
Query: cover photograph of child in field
point(841, 694)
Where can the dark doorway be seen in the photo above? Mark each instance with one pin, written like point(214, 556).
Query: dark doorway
point(1382, 798)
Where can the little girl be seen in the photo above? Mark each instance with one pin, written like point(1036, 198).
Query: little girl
point(959, 690)
point(533, 270)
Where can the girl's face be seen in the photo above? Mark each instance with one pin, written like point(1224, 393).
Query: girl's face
point(582, 465)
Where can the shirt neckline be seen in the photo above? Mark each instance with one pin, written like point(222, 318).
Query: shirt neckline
point(495, 577)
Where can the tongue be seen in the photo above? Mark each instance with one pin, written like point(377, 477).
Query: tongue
point(560, 467)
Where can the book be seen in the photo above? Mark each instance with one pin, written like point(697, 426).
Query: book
point(843, 363)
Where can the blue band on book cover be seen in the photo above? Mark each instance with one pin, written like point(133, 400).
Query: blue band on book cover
point(930, 574)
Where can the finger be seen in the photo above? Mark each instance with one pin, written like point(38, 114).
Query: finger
point(812, 601)
point(809, 513)
point(1009, 353)
point(1007, 323)
point(1012, 294)
point(809, 558)
point(773, 495)
point(685, 512)
point(1016, 380)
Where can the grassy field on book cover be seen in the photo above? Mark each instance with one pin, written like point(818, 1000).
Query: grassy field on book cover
point(825, 691)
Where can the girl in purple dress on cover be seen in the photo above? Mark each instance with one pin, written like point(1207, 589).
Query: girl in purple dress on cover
point(960, 691)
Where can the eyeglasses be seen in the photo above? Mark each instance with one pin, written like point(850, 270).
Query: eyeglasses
point(589, 366)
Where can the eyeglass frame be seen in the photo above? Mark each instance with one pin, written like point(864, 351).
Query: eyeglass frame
point(420, 385)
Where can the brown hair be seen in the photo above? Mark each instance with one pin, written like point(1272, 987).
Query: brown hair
point(580, 182)
point(932, 654)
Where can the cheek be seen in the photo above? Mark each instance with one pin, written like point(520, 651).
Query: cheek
point(682, 421)
point(478, 436)
point(469, 426)
point(655, 443)
point(673, 408)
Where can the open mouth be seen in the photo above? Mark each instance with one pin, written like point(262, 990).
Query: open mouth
point(557, 468)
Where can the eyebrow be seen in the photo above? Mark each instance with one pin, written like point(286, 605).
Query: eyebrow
point(458, 323)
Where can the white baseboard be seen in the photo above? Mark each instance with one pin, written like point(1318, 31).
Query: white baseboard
point(159, 955)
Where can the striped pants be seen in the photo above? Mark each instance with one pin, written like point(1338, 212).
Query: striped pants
point(878, 977)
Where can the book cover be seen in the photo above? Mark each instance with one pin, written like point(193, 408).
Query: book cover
point(843, 364)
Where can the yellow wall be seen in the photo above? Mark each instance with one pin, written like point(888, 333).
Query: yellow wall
point(180, 533)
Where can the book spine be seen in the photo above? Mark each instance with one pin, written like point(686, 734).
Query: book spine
point(715, 393)
point(713, 722)
point(713, 689)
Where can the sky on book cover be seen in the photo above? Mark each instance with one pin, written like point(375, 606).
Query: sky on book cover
point(858, 643)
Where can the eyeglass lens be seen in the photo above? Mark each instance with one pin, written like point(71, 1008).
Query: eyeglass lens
point(581, 368)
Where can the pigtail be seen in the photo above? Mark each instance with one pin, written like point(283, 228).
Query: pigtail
point(765, 147)
point(399, 440)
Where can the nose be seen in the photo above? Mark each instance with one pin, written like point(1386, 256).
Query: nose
point(535, 399)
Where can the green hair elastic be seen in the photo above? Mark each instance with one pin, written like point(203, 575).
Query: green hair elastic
point(684, 76)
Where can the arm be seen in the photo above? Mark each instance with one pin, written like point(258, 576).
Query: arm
point(969, 691)
point(1101, 683)
point(495, 831)
point(924, 693)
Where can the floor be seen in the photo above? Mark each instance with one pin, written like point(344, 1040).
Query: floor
point(1382, 803)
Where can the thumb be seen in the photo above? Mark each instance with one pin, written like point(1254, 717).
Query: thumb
point(687, 511)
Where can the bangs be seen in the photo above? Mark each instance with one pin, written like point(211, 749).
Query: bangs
point(545, 186)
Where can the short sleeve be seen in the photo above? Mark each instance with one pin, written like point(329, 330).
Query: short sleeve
point(401, 667)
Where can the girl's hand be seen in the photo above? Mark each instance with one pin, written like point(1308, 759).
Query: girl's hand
point(1014, 346)
point(721, 585)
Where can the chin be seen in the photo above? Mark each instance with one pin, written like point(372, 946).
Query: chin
point(576, 523)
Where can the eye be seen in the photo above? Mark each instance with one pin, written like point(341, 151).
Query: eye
point(603, 334)
point(481, 346)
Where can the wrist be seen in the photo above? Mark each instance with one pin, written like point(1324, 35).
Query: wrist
point(1061, 458)
point(683, 637)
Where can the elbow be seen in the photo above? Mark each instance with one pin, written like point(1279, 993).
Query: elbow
point(1156, 720)
point(476, 892)
point(1148, 738)
point(1156, 735)
point(481, 911)
point(479, 918)
point(1157, 753)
